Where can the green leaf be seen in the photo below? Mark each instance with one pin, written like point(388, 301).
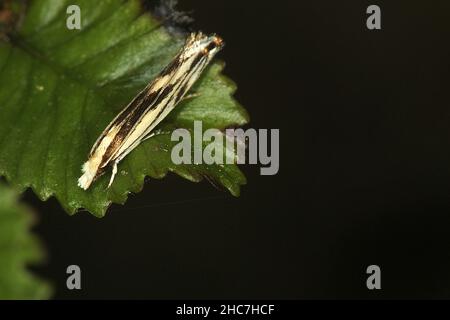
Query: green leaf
point(59, 89)
point(17, 249)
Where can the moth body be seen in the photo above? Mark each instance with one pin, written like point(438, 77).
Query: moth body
point(138, 119)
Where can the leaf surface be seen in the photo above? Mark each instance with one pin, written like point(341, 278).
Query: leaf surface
point(60, 88)
point(18, 247)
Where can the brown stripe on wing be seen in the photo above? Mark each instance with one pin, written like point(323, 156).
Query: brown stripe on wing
point(139, 108)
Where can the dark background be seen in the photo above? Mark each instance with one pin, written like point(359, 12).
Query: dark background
point(364, 176)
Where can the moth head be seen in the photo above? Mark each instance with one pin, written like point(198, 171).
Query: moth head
point(200, 43)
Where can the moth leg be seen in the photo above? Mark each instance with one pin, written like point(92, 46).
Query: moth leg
point(155, 133)
point(191, 96)
point(113, 174)
point(150, 135)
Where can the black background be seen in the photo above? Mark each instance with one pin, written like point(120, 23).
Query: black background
point(364, 176)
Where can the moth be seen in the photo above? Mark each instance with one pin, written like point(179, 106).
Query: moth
point(137, 120)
